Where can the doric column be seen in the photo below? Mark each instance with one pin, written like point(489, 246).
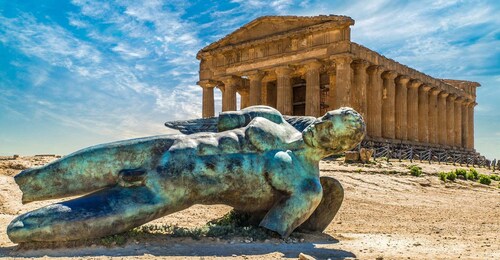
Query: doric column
point(465, 123)
point(470, 138)
point(284, 90)
point(358, 90)
point(255, 78)
point(313, 95)
point(433, 115)
point(401, 107)
point(264, 97)
point(388, 105)
point(208, 98)
point(423, 113)
point(458, 121)
point(343, 81)
point(229, 93)
point(374, 125)
point(331, 98)
point(442, 118)
point(450, 120)
point(245, 98)
point(412, 103)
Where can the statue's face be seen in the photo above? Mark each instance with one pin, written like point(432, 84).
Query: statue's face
point(338, 130)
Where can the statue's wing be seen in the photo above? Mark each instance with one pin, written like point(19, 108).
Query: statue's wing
point(300, 122)
point(194, 125)
point(210, 124)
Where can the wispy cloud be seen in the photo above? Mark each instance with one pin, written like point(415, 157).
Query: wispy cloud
point(126, 94)
point(51, 43)
point(119, 69)
point(130, 52)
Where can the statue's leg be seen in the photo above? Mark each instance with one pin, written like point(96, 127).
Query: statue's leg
point(333, 195)
point(99, 214)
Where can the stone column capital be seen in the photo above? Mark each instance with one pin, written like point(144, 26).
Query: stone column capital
point(312, 64)
point(344, 59)
point(451, 97)
point(414, 83)
point(255, 75)
point(283, 70)
point(376, 69)
point(459, 100)
point(425, 87)
point(465, 102)
point(389, 74)
point(242, 91)
point(403, 79)
point(435, 91)
point(230, 80)
point(360, 64)
point(443, 94)
point(208, 83)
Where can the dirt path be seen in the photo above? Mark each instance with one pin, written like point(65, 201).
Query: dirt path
point(385, 214)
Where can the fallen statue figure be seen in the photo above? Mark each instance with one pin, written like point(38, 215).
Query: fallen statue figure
point(257, 163)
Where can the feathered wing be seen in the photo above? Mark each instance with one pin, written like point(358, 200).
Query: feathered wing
point(300, 122)
point(210, 124)
point(194, 125)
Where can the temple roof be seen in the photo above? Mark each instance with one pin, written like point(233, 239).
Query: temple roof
point(267, 26)
point(461, 83)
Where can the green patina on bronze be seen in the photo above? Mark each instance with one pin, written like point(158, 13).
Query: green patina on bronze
point(256, 163)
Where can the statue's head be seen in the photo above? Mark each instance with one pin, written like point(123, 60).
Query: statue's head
point(337, 131)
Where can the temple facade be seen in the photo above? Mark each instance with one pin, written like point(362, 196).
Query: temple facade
point(309, 65)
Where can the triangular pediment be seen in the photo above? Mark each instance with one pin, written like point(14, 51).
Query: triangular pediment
point(268, 26)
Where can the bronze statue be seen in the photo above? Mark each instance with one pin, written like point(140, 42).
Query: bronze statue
point(257, 162)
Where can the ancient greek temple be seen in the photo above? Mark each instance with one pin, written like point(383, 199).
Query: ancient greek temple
point(309, 65)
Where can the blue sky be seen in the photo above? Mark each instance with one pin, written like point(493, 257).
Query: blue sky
point(82, 72)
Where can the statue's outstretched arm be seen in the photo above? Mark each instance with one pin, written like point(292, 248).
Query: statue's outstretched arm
point(301, 189)
point(295, 209)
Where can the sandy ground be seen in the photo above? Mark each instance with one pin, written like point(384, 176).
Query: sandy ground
point(387, 214)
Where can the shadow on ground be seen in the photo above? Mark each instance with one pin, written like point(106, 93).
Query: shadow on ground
point(188, 248)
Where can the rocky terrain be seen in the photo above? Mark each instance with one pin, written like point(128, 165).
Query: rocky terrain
point(387, 214)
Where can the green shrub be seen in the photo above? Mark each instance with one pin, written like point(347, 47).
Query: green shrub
point(415, 170)
point(442, 176)
point(461, 173)
point(451, 176)
point(470, 176)
point(474, 172)
point(495, 177)
point(484, 179)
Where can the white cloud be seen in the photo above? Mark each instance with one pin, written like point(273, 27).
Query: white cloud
point(51, 42)
point(277, 5)
point(107, 93)
point(130, 52)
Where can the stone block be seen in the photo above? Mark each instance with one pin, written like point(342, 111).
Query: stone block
point(365, 154)
point(351, 156)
